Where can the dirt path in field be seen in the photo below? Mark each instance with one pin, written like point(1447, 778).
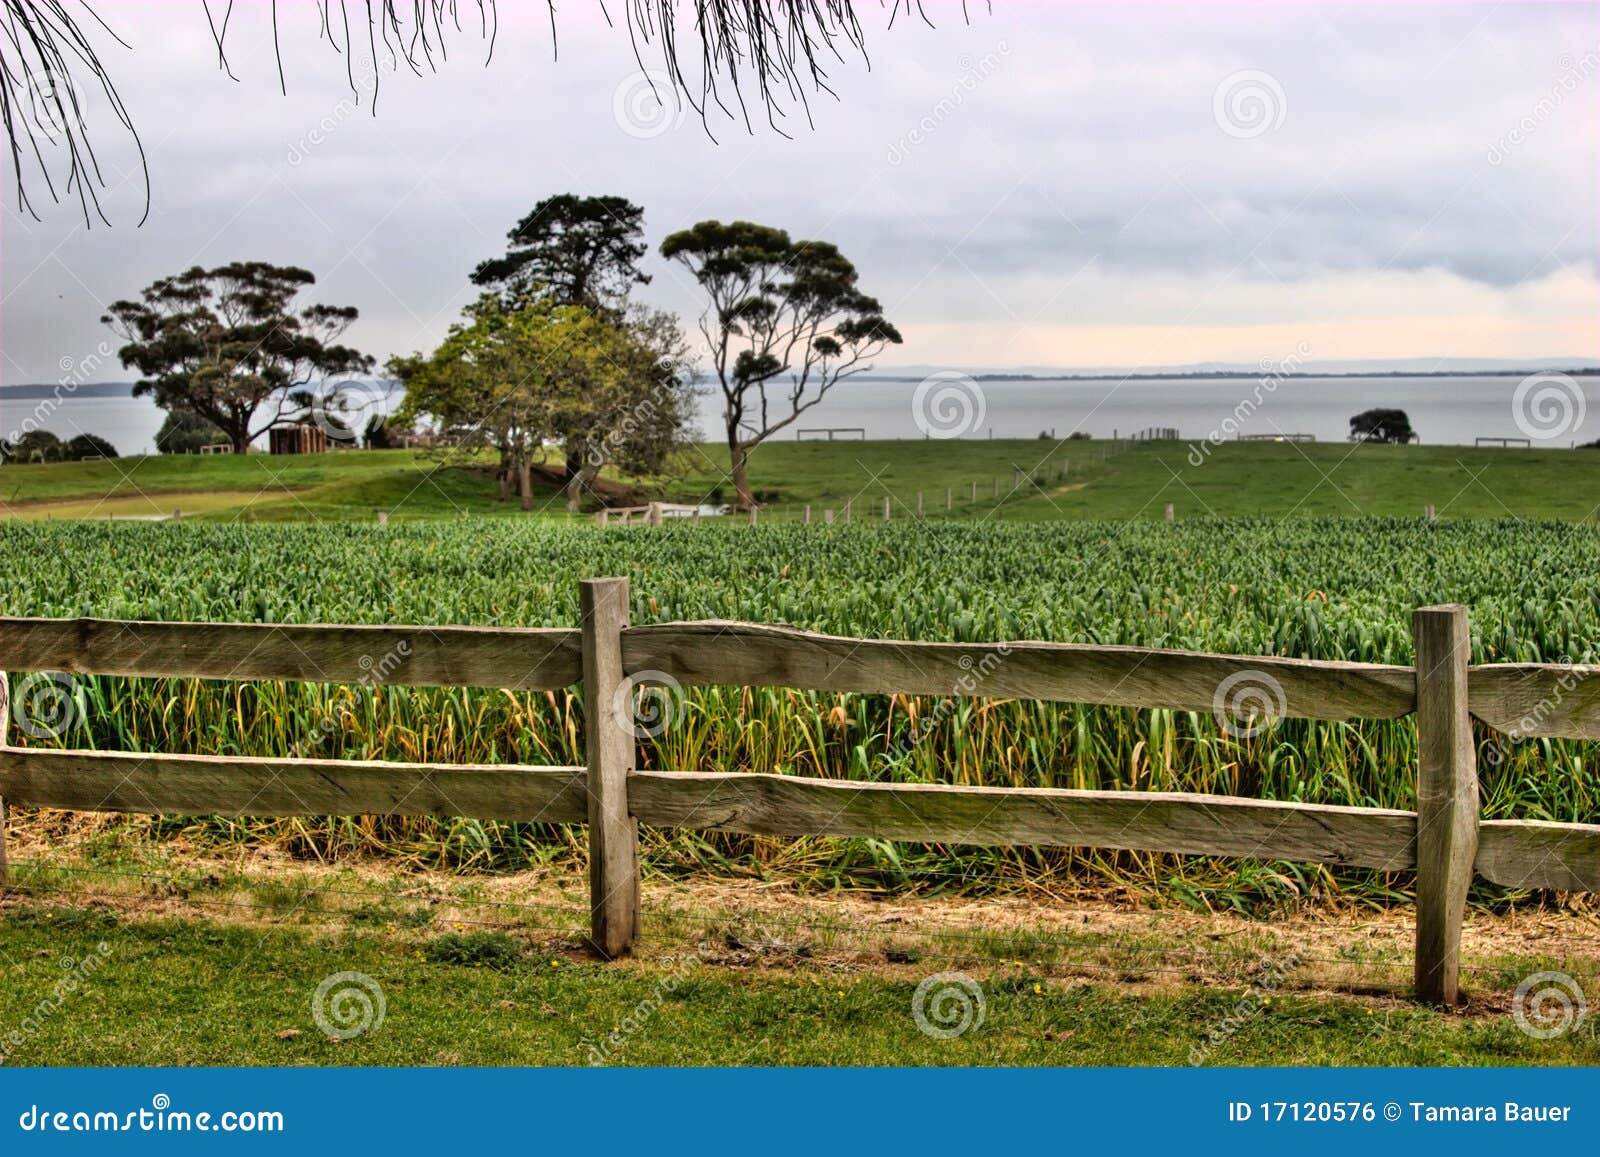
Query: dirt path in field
point(774, 927)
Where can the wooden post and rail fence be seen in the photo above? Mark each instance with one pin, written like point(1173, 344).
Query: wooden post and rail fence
point(1446, 840)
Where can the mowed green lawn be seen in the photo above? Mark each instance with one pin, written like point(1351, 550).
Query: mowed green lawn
point(1017, 479)
point(173, 992)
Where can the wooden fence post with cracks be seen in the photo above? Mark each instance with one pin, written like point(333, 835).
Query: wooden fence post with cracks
point(608, 741)
point(1447, 798)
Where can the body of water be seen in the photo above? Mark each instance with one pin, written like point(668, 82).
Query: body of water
point(1555, 411)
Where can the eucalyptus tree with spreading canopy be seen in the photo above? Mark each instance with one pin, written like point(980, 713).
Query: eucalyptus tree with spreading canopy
point(228, 343)
point(784, 324)
point(513, 378)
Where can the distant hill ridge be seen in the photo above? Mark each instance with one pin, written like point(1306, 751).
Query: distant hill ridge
point(1402, 368)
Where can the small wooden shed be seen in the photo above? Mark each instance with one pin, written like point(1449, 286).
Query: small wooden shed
point(300, 438)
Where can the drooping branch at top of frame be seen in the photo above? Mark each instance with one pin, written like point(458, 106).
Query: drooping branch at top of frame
point(720, 56)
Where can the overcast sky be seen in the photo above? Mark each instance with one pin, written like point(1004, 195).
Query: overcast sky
point(1065, 185)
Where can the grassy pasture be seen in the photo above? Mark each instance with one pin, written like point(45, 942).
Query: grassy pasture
point(1104, 480)
point(167, 991)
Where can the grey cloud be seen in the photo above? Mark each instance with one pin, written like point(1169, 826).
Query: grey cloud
point(1091, 139)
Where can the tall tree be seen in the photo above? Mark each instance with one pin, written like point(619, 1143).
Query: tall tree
point(228, 345)
point(585, 252)
point(513, 378)
point(784, 323)
point(638, 414)
point(1382, 424)
point(580, 250)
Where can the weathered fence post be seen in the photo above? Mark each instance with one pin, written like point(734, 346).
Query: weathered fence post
point(808, 514)
point(974, 490)
point(1171, 514)
point(949, 499)
point(653, 515)
point(886, 508)
point(919, 504)
point(1447, 798)
point(847, 503)
point(608, 740)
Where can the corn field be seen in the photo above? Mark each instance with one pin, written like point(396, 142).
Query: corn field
point(1323, 589)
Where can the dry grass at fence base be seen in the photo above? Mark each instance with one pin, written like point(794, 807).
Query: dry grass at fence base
point(773, 927)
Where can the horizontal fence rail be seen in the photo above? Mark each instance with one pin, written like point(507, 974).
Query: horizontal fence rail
point(698, 654)
point(115, 781)
point(522, 659)
point(1448, 846)
point(1537, 700)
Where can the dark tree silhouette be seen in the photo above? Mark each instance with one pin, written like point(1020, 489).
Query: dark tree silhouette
point(185, 433)
point(49, 64)
point(86, 448)
point(1382, 425)
point(582, 251)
